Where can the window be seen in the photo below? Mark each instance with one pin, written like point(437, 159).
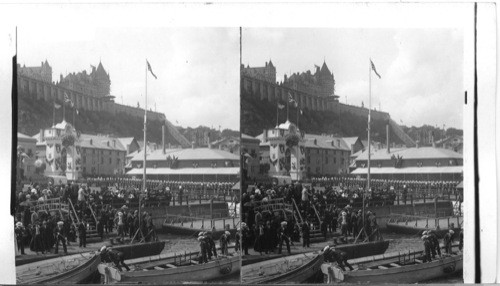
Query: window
point(334, 160)
point(326, 159)
point(102, 160)
point(110, 160)
point(84, 159)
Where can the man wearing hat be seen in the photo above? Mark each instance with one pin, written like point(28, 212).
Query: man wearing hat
point(224, 242)
point(82, 233)
point(203, 248)
point(59, 234)
point(331, 255)
point(113, 256)
point(19, 231)
point(427, 247)
point(245, 237)
point(435, 248)
point(283, 237)
point(448, 240)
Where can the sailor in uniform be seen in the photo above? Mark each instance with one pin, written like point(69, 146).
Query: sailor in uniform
point(331, 255)
point(110, 255)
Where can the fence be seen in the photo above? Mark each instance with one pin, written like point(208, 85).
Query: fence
point(426, 221)
point(201, 222)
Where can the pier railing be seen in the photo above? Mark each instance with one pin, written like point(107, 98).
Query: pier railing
point(201, 222)
point(426, 221)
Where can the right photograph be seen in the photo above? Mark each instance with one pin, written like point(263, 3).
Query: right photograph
point(352, 155)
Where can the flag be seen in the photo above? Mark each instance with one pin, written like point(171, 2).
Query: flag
point(374, 69)
point(281, 106)
point(57, 106)
point(67, 100)
point(149, 68)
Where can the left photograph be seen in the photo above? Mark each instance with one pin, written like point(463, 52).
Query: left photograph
point(128, 155)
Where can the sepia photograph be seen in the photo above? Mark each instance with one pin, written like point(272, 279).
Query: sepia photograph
point(249, 143)
point(354, 155)
point(128, 156)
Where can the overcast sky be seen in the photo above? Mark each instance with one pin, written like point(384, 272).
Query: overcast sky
point(421, 69)
point(197, 68)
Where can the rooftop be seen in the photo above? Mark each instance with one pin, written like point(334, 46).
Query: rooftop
point(411, 153)
point(187, 154)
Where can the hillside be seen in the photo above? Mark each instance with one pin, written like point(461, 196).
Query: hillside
point(36, 114)
point(259, 114)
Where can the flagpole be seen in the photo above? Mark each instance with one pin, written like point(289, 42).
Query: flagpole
point(287, 107)
point(145, 146)
point(54, 114)
point(64, 110)
point(369, 135)
point(277, 113)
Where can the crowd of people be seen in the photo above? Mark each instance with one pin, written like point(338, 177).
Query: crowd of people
point(327, 205)
point(105, 204)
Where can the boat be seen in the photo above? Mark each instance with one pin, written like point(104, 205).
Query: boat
point(69, 269)
point(296, 268)
point(353, 250)
point(362, 249)
point(161, 269)
point(395, 267)
point(136, 250)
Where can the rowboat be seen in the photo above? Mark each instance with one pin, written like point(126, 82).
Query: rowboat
point(394, 268)
point(353, 250)
point(70, 269)
point(137, 250)
point(162, 269)
point(362, 249)
point(289, 269)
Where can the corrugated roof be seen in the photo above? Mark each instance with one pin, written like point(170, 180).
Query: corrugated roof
point(411, 153)
point(186, 171)
point(410, 170)
point(188, 154)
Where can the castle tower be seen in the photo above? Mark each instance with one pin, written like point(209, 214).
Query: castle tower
point(326, 81)
point(101, 80)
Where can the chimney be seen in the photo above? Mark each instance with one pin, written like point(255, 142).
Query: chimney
point(264, 136)
point(433, 142)
point(163, 138)
point(42, 137)
point(387, 140)
point(417, 143)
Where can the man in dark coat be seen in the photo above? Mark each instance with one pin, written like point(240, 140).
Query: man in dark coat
point(82, 233)
point(111, 255)
point(59, 234)
point(331, 255)
point(305, 235)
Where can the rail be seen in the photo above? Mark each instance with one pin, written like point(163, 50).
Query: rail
point(297, 210)
point(317, 214)
point(74, 211)
point(188, 221)
point(426, 222)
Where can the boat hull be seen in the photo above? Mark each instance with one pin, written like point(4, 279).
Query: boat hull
point(214, 270)
point(136, 250)
point(364, 249)
point(51, 271)
point(408, 274)
point(298, 275)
